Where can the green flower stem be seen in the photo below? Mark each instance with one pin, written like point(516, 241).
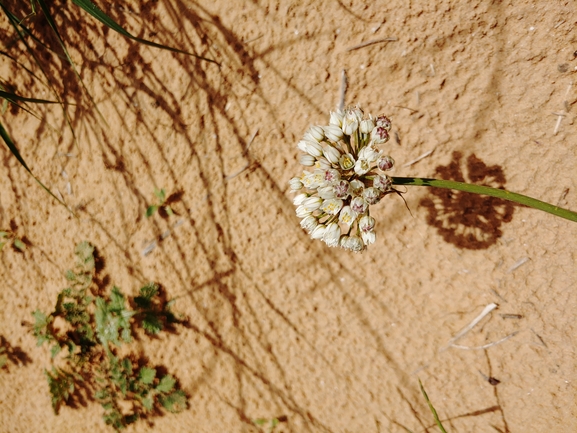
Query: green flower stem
point(486, 190)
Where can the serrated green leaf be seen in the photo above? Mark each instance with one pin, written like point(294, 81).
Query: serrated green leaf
point(150, 211)
point(174, 402)
point(70, 275)
point(146, 375)
point(116, 303)
point(55, 350)
point(152, 323)
point(148, 402)
point(166, 384)
point(85, 252)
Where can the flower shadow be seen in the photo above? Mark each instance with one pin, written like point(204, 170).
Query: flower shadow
point(466, 220)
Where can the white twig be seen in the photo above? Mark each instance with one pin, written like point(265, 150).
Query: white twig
point(424, 155)
point(471, 325)
point(372, 42)
point(343, 91)
point(486, 346)
point(519, 263)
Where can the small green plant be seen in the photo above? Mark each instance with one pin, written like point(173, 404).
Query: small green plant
point(85, 331)
point(433, 411)
point(268, 424)
point(161, 196)
point(9, 237)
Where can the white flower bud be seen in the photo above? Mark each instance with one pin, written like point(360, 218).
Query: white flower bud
point(316, 132)
point(295, 183)
point(309, 223)
point(362, 166)
point(318, 231)
point(369, 153)
point(352, 243)
point(313, 180)
point(302, 145)
point(350, 122)
point(366, 126)
point(368, 237)
point(347, 216)
point(313, 148)
point(332, 235)
point(302, 212)
point(366, 223)
point(332, 206)
point(312, 203)
point(333, 133)
point(357, 187)
point(326, 192)
point(298, 200)
point(322, 163)
point(307, 160)
point(332, 154)
point(347, 161)
point(336, 118)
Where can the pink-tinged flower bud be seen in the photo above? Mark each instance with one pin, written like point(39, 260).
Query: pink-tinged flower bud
point(316, 132)
point(342, 189)
point(332, 154)
point(385, 163)
point(379, 135)
point(332, 235)
point(362, 166)
point(307, 160)
point(318, 231)
point(331, 175)
point(333, 133)
point(332, 206)
point(309, 223)
point(383, 122)
point(382, 182)
point(366, 223)
point(346, 161)
point(359, 205)
point(372, 195)
point(366, 126)
point(336, 119)
point(296, 183)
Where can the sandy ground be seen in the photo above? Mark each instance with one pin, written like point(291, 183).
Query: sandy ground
point(281, 325)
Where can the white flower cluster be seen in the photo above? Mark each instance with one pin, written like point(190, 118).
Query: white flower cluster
point(334, 198)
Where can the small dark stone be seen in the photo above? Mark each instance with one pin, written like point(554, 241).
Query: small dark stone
point(563, 67)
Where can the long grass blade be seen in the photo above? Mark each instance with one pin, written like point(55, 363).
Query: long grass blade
point(52, 24)
point(14, 97)
point(12, 147)
point(97, 13)
point(434, 412)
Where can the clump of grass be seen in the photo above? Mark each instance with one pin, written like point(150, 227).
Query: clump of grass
point(84, 333)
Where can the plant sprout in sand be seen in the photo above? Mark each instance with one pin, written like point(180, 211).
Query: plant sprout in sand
point(349, 177)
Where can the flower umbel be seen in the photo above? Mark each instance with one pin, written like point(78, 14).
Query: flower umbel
point(347, 178)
